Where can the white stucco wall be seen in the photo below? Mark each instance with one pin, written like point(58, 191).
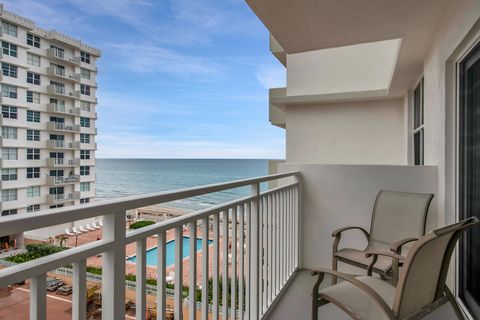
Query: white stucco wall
point(368, 132)
point(336, 196)
point(357, 68)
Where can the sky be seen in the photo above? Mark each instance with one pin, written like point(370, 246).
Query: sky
point(177, 78)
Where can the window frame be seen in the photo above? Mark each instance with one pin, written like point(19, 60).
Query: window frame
point(418, 129)
point(34, 41)
point(9, 112)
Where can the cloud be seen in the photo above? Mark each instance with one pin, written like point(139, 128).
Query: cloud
point(271, 76)
point(154, 59)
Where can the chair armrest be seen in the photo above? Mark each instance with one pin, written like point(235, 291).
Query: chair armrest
point(396, 258)
point(338, 232)
point(357, 283)
point(397, 246)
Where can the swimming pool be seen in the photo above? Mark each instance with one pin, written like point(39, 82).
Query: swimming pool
point(152, 254)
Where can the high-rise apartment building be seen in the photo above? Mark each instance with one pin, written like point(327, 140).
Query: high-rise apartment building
point(48, 103)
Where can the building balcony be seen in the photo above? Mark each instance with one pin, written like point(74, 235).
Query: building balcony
point(61, 144)
point(62, 109)
point(60, 73)
point(55, 181)
point(64, 127)
point(61, 92)
point(58, 55)
point(62, 163)
point(62, 198)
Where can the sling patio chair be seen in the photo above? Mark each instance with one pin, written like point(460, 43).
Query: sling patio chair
point(395, 216)
point(420, 290)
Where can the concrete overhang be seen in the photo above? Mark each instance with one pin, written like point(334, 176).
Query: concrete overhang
point(307, 25)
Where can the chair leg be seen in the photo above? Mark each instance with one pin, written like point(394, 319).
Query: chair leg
point(334, 268)
point(454, 303)
point(315, 304)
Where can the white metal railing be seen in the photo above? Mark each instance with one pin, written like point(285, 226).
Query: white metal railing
point(253, 241)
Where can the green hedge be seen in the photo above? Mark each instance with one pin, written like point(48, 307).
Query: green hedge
point(35, 251)
point(141, 224)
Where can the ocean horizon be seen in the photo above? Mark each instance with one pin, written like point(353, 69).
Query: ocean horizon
point(122, 177)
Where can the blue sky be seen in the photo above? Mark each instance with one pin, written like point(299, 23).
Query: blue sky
point(178, 78)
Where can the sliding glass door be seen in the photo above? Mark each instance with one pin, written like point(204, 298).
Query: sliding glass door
point(469, 179)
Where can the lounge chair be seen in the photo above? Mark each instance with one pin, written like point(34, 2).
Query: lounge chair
point(100, 223)
point(395, 216)
point(420, 289)
point(68, 233)
point(94, 225)
point(74, 229)
point(90, 228)
point(82, 229)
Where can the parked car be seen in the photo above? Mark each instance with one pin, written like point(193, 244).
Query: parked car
point(64, 290)
point(54, 284)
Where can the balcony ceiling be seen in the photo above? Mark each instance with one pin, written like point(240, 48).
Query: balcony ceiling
point(304, 25)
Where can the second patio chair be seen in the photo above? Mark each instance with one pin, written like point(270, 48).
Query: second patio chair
point(397, 219)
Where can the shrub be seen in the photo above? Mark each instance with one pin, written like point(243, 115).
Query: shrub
point(141, 224)
point(35, 251)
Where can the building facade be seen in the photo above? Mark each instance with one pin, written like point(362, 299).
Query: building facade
point(48, 131)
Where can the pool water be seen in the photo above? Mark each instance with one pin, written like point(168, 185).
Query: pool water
point(152, 254)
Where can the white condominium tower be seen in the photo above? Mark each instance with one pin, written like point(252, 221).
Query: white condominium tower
point(48, 103)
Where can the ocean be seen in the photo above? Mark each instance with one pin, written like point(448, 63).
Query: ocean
point(116, 178)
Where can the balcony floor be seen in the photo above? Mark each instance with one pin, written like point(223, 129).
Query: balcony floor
point(296, 303)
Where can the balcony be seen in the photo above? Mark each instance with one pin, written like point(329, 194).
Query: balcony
point(55, 72)
point(55, 181)
point(59, 55)
point(61, 92)
point(64, 127)
point(243, 220)
point(62, 163)
point(62, 109)
point(62, 198)
point(61, 144)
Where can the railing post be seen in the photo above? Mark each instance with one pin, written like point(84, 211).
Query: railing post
point(141, 270)
point(38, 297)
point(113, 278)
point(79, 300)
point(254, 252)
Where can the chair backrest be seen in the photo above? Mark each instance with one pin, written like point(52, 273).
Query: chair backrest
point(423, 276)
point(398, 215)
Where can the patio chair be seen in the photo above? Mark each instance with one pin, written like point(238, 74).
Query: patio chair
point(74, 229)
point(421, 287)
point(68, 233)
point(82, 229)
point(395, 216)
point(90, 228)
point(94, 225)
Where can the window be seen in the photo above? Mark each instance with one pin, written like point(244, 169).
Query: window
point(9, 49)
point(33, 116)
point(9, 70)
point(418, 128)
point(85, 106)
point(58, 69)
point(9, 133)
point(85, 57)
point(84, 186)
point(33, 208)
point(84, 122)
point(33, 78)
point(84, 200)
point(33, 40)
point(85, 74)
point(9, 154)
point(33, 59)
point(84, 170)
point(9, 112)
point(56, 206)
point(9, 29)
point(84, 89)
point(9, 195)
point(33, 97)
point(33, 192)
point(58, 52)
point(9, 174)
point(9, 91)
point(33, 173)
point(84, 138)
point(84, 154)
point(58, 87)
point(33, 135)
point(33, 154)
point(9, 212)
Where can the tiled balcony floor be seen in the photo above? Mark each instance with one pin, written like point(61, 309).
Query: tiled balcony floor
point(296, 303)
